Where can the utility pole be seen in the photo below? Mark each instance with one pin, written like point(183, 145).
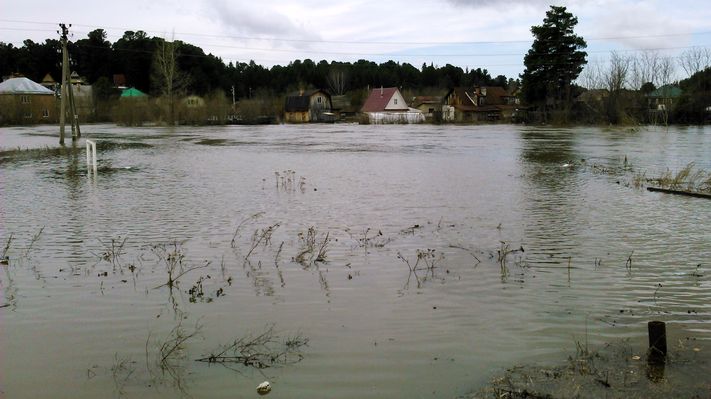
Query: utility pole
point(76, 133)
point(65, 72)
point(233, 99)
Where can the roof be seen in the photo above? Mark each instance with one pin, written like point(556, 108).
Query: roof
point(48, 79)
point(23, 86)
point(132, 92)
point(667, 91)
point(300, 101)
point(419, 100)
point(461, 93)
point(495, 94)
point(341, 102)
point(297, 104)
point(379, 99)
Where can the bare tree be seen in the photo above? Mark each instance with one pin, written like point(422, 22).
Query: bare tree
point(644, 69)
point(337, 79)
point(591, 77)
point(665, 70)
point(615, 80)
point(695, 59)
point(167, 77)
point(617, 74)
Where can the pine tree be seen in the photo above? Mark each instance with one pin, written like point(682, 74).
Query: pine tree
point(554, 60)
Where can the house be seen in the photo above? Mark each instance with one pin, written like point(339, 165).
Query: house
point(133, 108)
point(120, 81)
point(663, 98)
point(481, 103)
point(428, 105)
point(23, 101)
point(308, 106)
point(49, 82)
point(343, 107)
point(387, 105)
point(192, 110)
point(83, 97)
point(661, 101)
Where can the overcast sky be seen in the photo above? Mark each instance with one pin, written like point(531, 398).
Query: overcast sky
point(489, 34)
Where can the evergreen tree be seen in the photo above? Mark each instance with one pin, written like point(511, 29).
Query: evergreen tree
point(554, 60)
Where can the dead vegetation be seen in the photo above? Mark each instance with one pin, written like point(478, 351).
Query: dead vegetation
point(260, 351)
point(425, 263)
point(172, 257)
point(689, 179)
point(612, 371)
point(312, 249)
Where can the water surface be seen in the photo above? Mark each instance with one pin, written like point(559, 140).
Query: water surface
point(72, 318)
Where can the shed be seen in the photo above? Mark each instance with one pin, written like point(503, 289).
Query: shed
point(308, 106)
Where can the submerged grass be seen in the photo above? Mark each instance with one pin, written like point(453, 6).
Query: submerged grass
point(688, 178)
point(613, 371)
point(32, 154)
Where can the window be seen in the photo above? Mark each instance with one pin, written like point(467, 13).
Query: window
point(396, 101)
point(318, 99)
point(27, 115)
point(45, 113)
point(25, 99)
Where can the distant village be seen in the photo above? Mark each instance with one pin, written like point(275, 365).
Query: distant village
point(27, 102)
point(124, 83)
point(23, 101)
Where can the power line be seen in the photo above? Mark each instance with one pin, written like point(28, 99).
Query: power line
point(424, 43)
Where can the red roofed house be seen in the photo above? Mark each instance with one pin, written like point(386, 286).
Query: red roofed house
point(387, 105)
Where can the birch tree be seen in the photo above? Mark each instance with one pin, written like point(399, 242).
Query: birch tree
point(337, 79)
point(168, 79)
point(695, 59)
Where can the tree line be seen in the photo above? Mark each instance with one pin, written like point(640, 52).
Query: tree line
point(133, 55)
point(556, 74)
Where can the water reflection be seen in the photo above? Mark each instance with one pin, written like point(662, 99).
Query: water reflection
point(554, 205)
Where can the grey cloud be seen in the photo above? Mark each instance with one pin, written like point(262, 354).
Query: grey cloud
point(499, 3)
point(641, 27)
point(255, 19)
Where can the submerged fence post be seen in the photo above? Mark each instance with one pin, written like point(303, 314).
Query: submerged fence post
point(91, 155)
point(657, 341)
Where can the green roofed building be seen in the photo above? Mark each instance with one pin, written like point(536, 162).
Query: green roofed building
point(663, 98)
point(132, 92)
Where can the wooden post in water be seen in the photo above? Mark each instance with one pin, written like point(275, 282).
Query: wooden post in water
point(65, 79)
point(76, 133)
point(657, 341)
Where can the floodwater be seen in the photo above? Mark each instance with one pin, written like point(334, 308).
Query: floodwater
point(600, 257)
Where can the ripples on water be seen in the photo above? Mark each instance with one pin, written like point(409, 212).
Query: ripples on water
point(70, 314)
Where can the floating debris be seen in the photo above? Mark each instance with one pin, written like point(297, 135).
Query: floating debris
point(264, 388)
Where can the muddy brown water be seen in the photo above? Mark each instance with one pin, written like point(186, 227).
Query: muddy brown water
point(76, 326)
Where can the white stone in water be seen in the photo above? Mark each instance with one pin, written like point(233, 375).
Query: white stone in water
point(264, 388)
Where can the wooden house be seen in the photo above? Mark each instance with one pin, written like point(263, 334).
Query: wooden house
point(428, 105)
point(83, 97)
point(479, 104)
point(308, 106)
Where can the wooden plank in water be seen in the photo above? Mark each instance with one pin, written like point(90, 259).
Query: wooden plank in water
point(679, 192)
